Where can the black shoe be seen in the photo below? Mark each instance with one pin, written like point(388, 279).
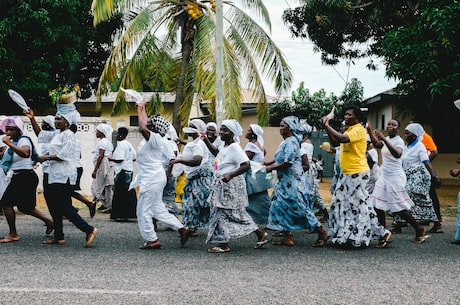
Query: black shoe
point(455, 242)
point(92, 210)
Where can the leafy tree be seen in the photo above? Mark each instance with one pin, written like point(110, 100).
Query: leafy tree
point(50, 42)
point(185, 30)
point(312, 107)
point(417, 40)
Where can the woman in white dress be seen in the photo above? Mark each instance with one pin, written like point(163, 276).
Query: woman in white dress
point(103, 173)
point(229, 219)
point(256, 182)
point(389, 192)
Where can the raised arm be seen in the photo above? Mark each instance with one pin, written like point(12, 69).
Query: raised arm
point(143, 119)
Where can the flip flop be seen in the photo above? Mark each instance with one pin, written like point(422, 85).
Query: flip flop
point(383, 243)
point(8, 239)
point(218, 250)
point(264, 240)
point(150, 246)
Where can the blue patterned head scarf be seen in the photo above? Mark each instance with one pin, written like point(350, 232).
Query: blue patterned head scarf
point(305, 128)
point(293, 123)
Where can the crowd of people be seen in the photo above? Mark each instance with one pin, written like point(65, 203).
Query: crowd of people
point(227, 187)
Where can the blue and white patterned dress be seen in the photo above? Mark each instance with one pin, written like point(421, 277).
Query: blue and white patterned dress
point(290, 202)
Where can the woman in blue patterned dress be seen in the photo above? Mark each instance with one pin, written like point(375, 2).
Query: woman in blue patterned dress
point(290, 209)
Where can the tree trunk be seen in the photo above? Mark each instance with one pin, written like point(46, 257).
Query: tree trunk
point(188, 34)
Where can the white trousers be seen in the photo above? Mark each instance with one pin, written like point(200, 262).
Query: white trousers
point(150, 205)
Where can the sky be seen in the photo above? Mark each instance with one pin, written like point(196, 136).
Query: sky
point(306, 65)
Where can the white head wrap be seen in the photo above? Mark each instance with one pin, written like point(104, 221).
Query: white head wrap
point(212, 124)
point(69, 112)
point(49, 119)
point(258, 131)
point(172, 133)
point(199, 124)
point(235, 128)
point(416, 129)
point(106, 129)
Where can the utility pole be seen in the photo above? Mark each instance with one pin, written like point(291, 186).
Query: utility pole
point(220, 105)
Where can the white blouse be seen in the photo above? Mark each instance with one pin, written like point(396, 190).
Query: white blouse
point(63, 146)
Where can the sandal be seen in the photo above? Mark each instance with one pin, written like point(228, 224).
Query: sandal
point(218, 250)
point(49, 229)
point(264, 240)
point(54, 241)
point(383, 242)
point(278, 234)
point(8, 239)
point(420, 237)
point(436, 229)
point(184, 235)
point(318, 243)
point(151, 245)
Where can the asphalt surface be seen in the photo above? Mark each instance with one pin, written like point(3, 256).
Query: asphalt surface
point(115, 271)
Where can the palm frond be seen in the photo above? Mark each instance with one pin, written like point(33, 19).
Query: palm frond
point(272, 62)
point(259, 9)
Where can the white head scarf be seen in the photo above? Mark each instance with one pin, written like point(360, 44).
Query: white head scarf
point(258, 131)
point(199, 124)
point(49, 119)
point(234, 127)
point(212, 124)
point(69, 112)
point(106, 129)
point(416, 129)
point(172, 133)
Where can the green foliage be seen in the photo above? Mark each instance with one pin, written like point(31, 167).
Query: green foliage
point(418, 41)
point(47, 43)
point(312, 107)
point(249, 53)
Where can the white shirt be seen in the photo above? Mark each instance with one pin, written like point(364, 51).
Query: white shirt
point(77, 155)
point(307, 148)
point(105, 145)
point(229, 158)
point(124, 151)
point(390, 164)
point(150, 162)
point(195, 148)
point(168, 152)
point(63, 146)
point(414, 154)
point(45, 137)
point(18, 162)
point(258, 153)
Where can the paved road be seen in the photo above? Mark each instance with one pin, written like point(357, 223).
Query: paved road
point(114, 271)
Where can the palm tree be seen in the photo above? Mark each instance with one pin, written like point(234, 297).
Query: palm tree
point(162, 31)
